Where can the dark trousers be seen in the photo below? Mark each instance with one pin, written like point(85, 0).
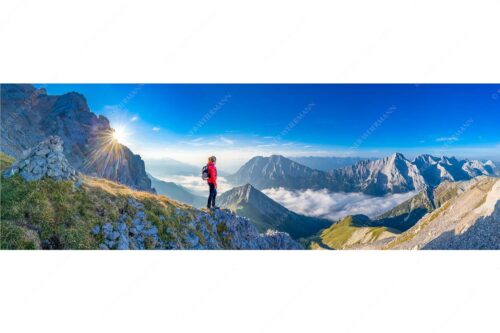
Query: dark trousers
point(212, 195)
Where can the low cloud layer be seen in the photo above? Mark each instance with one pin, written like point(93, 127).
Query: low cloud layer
point(322, 203)
point(197, 185)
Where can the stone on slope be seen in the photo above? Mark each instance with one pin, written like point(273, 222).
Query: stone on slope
point(44, 160)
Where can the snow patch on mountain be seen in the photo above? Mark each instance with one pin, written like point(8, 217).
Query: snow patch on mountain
point(335, 205)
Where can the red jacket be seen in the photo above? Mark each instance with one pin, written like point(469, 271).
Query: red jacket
point(212, 173)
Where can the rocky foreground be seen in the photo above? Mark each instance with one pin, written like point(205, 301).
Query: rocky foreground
point(204, 231)
point(46, 204)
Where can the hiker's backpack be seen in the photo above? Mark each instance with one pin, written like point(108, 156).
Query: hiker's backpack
point(204, 172)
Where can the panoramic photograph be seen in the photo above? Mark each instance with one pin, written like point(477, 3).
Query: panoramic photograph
point(249, 166)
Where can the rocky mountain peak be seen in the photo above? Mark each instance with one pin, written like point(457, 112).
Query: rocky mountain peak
point(425, 160)
point(44, 160)
point(241, 193)
point(490, 163)
point(276, 158)
point(69, 103)
point(398, 156)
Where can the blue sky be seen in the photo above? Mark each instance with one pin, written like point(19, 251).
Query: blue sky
point(236, 122)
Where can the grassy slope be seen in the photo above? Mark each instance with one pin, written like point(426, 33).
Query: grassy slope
point(57, 211)
point(5, 161)
point(338, 236)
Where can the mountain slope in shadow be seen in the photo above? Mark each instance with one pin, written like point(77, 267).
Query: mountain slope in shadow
point(266, 214)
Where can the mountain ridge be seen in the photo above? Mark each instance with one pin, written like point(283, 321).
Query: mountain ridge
point(327, 163)
point(391, 174)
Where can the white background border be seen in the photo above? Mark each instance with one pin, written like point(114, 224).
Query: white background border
point(257, 41)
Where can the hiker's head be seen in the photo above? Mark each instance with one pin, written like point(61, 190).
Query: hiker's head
point(212, 159)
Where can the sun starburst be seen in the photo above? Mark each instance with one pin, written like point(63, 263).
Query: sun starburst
point(106, 156)
point(120, 134)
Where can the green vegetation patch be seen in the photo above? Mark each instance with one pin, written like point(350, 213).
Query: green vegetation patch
point(5, 161)
point(57, 212)
point(58, 215)
point(339, 234)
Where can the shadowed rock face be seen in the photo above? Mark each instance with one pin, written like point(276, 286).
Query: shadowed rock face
point(29, 116)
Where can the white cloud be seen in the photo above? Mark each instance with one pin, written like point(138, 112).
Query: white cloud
point(447, 138)
point(196, 184)
point(227, 141)
point(156, 129)
point(333, 206)
point(113, 109)
point(219, 141)
point(134, 118)
point(197, 142)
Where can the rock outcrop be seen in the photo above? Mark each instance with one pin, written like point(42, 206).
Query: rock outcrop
point(220, 230)
point(30, 115)
point(44, 160)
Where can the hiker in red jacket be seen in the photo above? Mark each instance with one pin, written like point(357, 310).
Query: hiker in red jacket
point(212, 182)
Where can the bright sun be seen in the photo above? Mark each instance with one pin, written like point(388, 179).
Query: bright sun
point(120, 134)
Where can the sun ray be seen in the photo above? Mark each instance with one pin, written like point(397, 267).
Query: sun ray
point(106, 155)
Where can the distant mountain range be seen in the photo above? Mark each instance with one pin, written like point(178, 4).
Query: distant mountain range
point(392, 174)
point(438, 169)
point(177, 192)
point(29, 115)
point(267, 214)
point(327, 163)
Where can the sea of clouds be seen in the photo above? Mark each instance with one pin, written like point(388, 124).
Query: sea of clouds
point(326, 204)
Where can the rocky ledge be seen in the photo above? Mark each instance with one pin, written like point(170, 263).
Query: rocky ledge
point(44, 160)
point(218, 230)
